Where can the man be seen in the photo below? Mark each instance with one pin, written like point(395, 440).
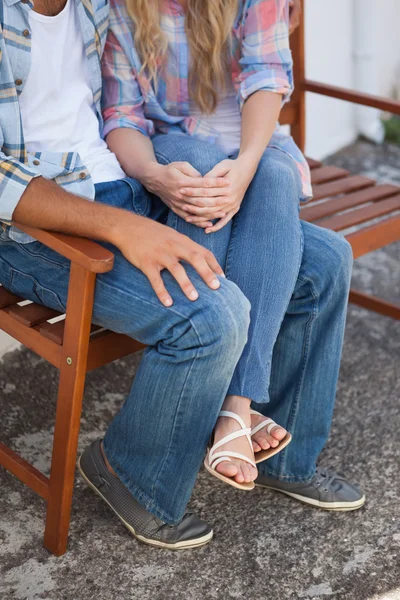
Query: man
point(52, 160)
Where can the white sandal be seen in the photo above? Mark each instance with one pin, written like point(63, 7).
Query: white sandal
point(269, 424)
point(214, 458)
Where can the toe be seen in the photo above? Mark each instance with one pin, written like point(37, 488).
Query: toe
point(278, 433)
point(261, 441)
point(256, 447)
point(228, 469)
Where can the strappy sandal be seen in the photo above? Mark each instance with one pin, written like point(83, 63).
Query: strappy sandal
point(269, 424)
point(214, 458)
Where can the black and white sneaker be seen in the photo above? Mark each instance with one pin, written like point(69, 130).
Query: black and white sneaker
point(191, 532)
point(327, 490)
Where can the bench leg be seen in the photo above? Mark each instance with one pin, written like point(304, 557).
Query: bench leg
point(69, 407)
point(375, 304)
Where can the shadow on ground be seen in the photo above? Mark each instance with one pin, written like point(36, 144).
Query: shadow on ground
point(266, 546)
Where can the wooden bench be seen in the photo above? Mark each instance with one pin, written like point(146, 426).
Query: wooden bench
point(341, 202)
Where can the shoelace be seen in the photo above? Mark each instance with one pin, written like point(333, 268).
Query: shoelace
point(326, 476)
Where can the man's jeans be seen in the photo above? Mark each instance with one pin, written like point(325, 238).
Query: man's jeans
point(297, 278)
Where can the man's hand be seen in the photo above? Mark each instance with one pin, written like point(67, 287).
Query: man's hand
point(152, 247)
point(295, 15)
point(167, 182)
point(148, 245)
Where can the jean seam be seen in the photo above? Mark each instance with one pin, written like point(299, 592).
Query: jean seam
point(36, 255)
point(265, 398)
point(156, 480)
point(305, 350)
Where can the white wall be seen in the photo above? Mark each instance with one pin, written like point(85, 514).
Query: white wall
point(329, 59)
point(331, 124)
point(388, 45)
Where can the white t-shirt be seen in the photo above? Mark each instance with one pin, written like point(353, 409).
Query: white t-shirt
point(226, 120)
point(57, 106)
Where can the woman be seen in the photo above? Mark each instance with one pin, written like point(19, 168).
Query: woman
point(193, 92)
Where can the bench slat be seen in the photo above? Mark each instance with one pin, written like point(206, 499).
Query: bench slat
point(31, 315)
point(314, 212)
point(325, 174)
point(375, 236)
point(7, 298)
point(55, 331)
point(342, 186)
point(313, 164)
point(361, 215)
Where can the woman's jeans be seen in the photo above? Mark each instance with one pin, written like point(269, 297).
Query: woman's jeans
point(297, 278)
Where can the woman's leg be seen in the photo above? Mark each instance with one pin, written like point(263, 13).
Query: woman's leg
point(264, 260)
point(203, 157)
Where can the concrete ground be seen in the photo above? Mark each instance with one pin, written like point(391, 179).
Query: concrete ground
point(266, 546)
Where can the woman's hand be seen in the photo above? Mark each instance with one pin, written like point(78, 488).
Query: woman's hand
point(169, 182)
point(239, 173)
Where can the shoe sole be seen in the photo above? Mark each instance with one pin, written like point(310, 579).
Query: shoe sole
point(332, 506)
point(185, 545)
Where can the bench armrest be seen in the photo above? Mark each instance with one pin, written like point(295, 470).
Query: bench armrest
point(89, 255)
point(332, 91)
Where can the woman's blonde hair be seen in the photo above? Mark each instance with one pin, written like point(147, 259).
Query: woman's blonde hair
point(208, 26)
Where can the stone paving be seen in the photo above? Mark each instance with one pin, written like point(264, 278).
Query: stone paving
point(266, 546)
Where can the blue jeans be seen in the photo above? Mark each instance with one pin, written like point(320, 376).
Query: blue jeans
point(157, 441)
point(297, 278)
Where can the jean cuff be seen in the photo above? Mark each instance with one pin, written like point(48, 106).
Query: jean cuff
point(146, 501)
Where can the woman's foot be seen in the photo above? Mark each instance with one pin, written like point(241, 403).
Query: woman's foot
point(239, 470)
point(263, 440)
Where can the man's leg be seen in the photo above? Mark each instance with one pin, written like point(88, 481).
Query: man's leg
point(157, 442)
point(305, 368)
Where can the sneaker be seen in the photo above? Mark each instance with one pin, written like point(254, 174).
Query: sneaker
point(328, 490)
point(191, 532)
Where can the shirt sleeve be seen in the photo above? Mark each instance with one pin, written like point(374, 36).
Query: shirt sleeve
point(266, 60)
point(14, 179)
point(122, 101)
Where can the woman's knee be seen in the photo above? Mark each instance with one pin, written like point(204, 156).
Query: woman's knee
point(203, 156)
point(277, 184)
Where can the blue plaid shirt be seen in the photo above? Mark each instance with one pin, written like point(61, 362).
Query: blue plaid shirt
point(17, 166)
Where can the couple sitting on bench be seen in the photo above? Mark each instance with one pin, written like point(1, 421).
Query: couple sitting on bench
point(164, 113)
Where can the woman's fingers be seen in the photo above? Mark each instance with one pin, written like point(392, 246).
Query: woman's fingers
point(186, 168)
point(205, 183)
point(205, 192)
point(210, 212)
point(224, 221)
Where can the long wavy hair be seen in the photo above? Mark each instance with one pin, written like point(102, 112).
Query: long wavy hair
point(208, 27)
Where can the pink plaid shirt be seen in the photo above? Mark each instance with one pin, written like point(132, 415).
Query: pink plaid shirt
point(261, 60)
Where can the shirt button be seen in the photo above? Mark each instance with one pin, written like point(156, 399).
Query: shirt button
point(36, 162)
point(82, 175)
point(18, 82)
point(26, 33)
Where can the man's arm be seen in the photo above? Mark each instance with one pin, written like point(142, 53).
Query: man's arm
point(148, 245)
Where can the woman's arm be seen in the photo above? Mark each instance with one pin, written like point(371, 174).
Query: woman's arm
point(128, 131)
point(259, 117)
point(265, 82)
